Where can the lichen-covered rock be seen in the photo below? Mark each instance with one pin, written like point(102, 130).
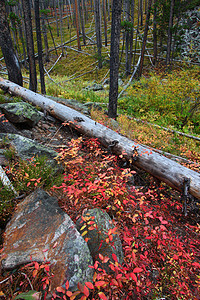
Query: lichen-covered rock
point(39, 224)
point(27, 148)
point(21, 112)
point(97, 237)
point(95, 87)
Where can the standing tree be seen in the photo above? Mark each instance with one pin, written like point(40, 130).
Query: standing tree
point(30, 45)
point(127, 34)
point(155, 46)
point(39, 45)
point(114, 57)
point(12, 64)
point(77, 25)
point(145, 37)
point(169, 39)
point(97, 13)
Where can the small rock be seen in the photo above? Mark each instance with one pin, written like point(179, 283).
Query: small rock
point(94, 87)
point(99, 235)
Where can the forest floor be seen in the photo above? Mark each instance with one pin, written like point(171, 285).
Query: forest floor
point(160, 243)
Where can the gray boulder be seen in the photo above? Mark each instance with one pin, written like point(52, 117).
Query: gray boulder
point(97, 237)
point(39, 224)
point(21, 113)
point(27, 148)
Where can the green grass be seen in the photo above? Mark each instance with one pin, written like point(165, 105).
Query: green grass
point(25, 177)
point(171, 99)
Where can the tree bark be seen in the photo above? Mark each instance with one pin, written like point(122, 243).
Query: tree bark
point(127, 36)
point(155, 46)
point(97, 13)
point(30, 45)
point(77, 25)
point(39, 45)
point(12, 63)
point(81, 12)
point(44, 32)
point(131, 33)
point(145, 37)
point(114, 57)
point(169, 38)
point(105, 22)
point(172, 173)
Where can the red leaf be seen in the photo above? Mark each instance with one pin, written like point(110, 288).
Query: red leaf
point(86, 291)
point(37, 265)
point(102, 296)
point(100, 283)
point(114, 257)
point(96, 264)
point(133, 276)
point(68, 293)
point(196, 264)
point(60, 289)
point(114, 282)
point(80, 287)
point(89, 285)
point(67, 285)
point(106, 259)
point(162, 221)
point(137, 270)
point(100, 256)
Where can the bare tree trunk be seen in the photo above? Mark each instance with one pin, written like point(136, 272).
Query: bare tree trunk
point(12, 64)
point(21, 35)
point(39, 45)
point(127, 36)
point(52, 37)
point(81, 12)
point(56, 15)
point(77, 24)
point(44, 32)
point(114, 57)
point(155, 46)
point(141, 13)
point(172, 173)
point(105, 22)
point(136, 37)
point(145, 37)
point(131, 34)
point(61, 25)
point(30, 45)
point(97, 12)
point(169, 39)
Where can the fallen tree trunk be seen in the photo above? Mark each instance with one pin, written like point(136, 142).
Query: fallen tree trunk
point(172, 173)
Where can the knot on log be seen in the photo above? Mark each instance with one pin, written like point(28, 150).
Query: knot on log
point(185, 195)
point(78, 119)
point(112, 144)
point(135, 154)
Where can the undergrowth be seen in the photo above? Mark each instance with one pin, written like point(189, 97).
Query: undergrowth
point(25, 176)
point(160, 245)
point(165, 99)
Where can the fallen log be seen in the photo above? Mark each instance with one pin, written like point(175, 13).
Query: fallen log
point(172, 173)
